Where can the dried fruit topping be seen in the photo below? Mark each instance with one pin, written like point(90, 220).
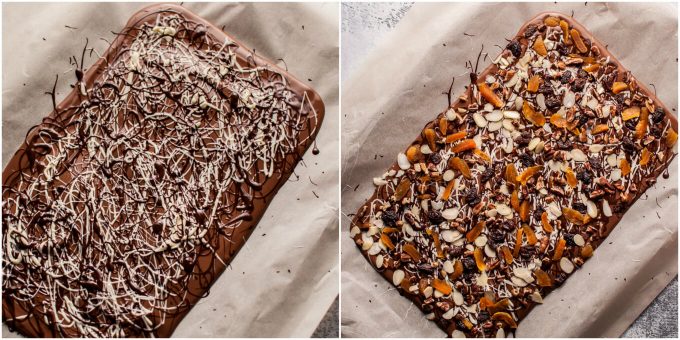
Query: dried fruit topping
point(515, 48)
point(464, 145)
point(447, 191)
point(531, 115)
point(551, 21)
point(658, 115)
point(514, 200)
point(619, 86)
point(390, 217)
point(442, 286)
point(600, 128)
point(481, 154)
point(630, 113)
point(457, 270)
point(456, 136)
point(578, 42)
point(671, 137)
point(504, 318)
point(625, 167)
point(413, 153)
point(565, 31)
point(533, 84)
point(528, 173)
point(430, 137)
point(518, 242)
point(524, 211)
point(402, 188)
point(542, 278)
point(475, 232)
point(571, 178)
point(511, 173)
point(531, 236)
point(591, 68)
point(557, 120)
point(489, 95)
point(443, 125)
point(643, 122)
point(645, 157)
point(479, 259)
point(458, 164)
point(587, 251)
point(559, 249)
point(411, 250)
point(545, 223)
point(386, 241)
point(573, 216)
point(539, 46)
point(507, 256)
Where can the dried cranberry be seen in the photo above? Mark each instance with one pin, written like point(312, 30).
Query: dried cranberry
point(570, 239)
point(435, 158)
point(553, 102)
point(566, 77)
point(580, 207)
point(435, 217)
point(578, 84)
point(390, 217)
point(585, 176)
point(515, 48)
point(469, 264)
point(658, 115)
point(526, 159)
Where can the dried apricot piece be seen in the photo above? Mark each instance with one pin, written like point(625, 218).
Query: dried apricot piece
point(645, 157)
point(481, 154)
point(507, 256)
point(442, 286)
point(479, 259)
point(457, 270)
point(599, 128)
point(671, 137)
point(573, 216)
point(447, 191)
point(456, 136)
point(460, 165)
point(504, 318)
point(475, 232)
point(514, 200)
point(571, 178)
point(430, 137)
point(390, 230)
point(467, 324)
point(485, 303)
point(402, 188)
point(524, 211)
point(539, 46)
point(437, 244)
point(619, 86)
point(557, 120)
point(499, 306)
point(591, 68)
point(587, 251)
point(531, 115)
point(489, 95)
point(511, 173)
point(565, 30)
point(630, 113)
point(528, 173)
point(533, 84)
point(411, 250)
point(551, 21)
point(559, 249)
point(625, 167)
point(518, 242)
point(413, 153)
point(464, 145)
point(386, 241)
point(531, 236)
point(545, 223)
point(443, 125)
point(576, 36)
point(643, 122)
point(543, 279)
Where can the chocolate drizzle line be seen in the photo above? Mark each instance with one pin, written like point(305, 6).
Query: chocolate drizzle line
point(127, 202)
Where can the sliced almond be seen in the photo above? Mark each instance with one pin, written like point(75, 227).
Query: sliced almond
point(566, 265)
point(398, 276)
point(450, 213)
point(578, 156)
point(479, 120)
point(578, 239)
point(451, 235)
point(403, 162)
point(606, 210)
point(379, 261)
point(503, 209)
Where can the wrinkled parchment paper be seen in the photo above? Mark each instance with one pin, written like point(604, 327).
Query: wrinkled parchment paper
point(397, 90)
point(257, 296)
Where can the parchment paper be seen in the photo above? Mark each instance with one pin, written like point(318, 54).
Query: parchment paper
point(397, 90)
point(285, 279)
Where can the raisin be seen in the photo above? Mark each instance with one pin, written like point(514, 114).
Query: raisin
point(527, 252)
point(435, 217)
point(564, 144)
point(469, 264)
point(595, 163)
point(483, 316)
point(515, 48)
point(456, 251)
point(487, 175)
point(435, 158)
point(658, 115)
point(566, 77)
point(546, 89)
point(564, 49)
point(553, 102)
point(582, 74)
point(570, 239)
point(580, 207)
point(582, 119)
point(426, 268)
point(631, 124)
point(628, 144)
point(538, 212)
point(526, 160)
point(496, 236)
point(471, 196)
point(585, 176)
point(529, 31)
point(524, 138)
point(390, 217)
point(578, 84)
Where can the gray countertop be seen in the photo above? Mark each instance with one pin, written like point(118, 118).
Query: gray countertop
point(363, 25)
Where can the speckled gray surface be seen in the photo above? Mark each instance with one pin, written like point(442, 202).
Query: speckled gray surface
point(363, 25)
point(329, 326)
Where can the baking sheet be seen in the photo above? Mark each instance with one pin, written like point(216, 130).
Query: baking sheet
point(397, 90)
point(283, 281)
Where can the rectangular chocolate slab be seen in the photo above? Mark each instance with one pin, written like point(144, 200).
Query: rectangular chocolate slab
point(129, 200)
point(443, 223)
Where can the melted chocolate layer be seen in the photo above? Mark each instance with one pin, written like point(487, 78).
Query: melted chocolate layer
point(128, 201)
